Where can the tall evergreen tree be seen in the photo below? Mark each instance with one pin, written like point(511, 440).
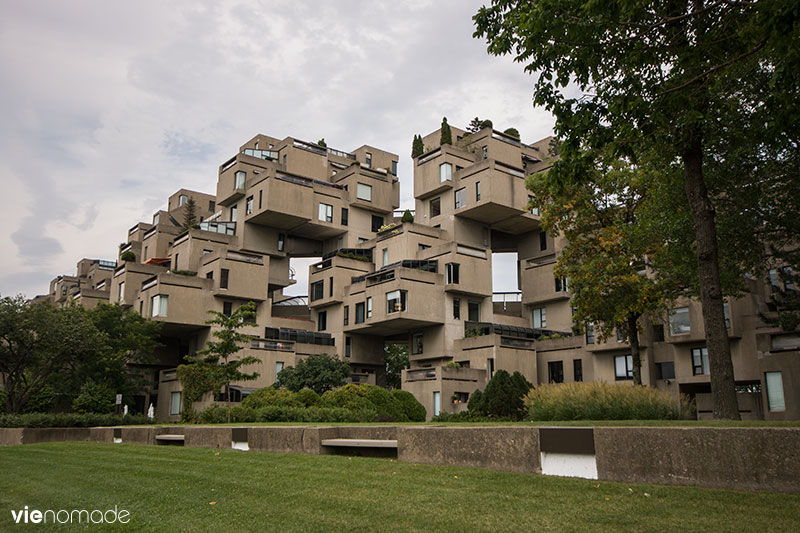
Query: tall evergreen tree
point(189, 213)
point(447, 134)
point(417, 148)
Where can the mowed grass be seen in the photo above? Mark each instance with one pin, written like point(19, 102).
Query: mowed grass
point(196, 489)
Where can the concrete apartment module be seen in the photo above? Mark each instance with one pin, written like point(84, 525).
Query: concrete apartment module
point(426, 284)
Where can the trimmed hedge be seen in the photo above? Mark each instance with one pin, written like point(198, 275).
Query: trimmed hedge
point(75, 420)
point(271, 396)
point(598, 400)
point(390, 407)
point(217, 414)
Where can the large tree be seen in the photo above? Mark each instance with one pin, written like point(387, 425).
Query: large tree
point(665, 72)
point(610, 245)
point(318, 372)
point(396, 358)
point(41, 344)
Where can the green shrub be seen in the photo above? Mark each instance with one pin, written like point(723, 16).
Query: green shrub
point(447, 133)
point(271, 396)
point(318, 372)
point(598, 400)
point(43, 401)
point(512, 132)
point(503, 396)
point(63, 420)
point(351, 396)
point(468, 416)
point(215, 414)
point(414, 410)
point(128, 256)
point(388, 407)
point(407, 216)
point(95, 398)
point(307, 397)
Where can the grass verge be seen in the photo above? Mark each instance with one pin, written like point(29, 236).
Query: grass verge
point(196, 489)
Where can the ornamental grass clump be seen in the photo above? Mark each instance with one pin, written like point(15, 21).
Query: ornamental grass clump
point(599, 400)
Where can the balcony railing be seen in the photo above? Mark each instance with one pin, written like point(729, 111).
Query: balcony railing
point(225, 228)
point(270, 155)
point(341, 154)
point(387, 272)
point(310, 147)
point(106, 265)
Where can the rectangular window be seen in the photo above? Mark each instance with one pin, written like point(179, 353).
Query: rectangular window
point(182, 199)
point(346, 319)
point(211, 205)
point(317, 290)
point(577, 369)
point(364, 192)
point(385, 256)
point(369, 306)
point(542, 240)
point(665, 370)
point(775, 399)
point(278, 368)
point(223, 278)
point(590, 333)
point(239, 179)
point(562, 285)
point(347, 346)
point(395, 301)
point(486, 236)
point(727, 312)
point(141, 307)
point(658, 332)
point(284, 166)
point(322, 321)
point(394, 168)
point(485, 151)
point(377, 223)
point(156, 219)
point(330, 286)
point(210, 275)
point(435, 207)
point(206, 251)
point(281, 242)
point(451, 273)
point(234, 210)
point(699, 361)
point(477, 191)
point(175, 267)
point(121, 293)
point(345, 216)
point(369, 160)
point(461, 197)
point(456, 308)
point(227, 308)
point(248, 206)
point(260, 198)
point(540, 318)
point(360, 313)
point(679, 323)
point(623, 367)
point(555, 372)
point(437, 403)
point(325, 213)
point(175, 403)
point(445, 172)
point(416, 344)
point(474, 311)
point(158, 305)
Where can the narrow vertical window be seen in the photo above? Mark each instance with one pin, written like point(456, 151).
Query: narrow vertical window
point(369, 160)
point(223, 278)
point(477, 191)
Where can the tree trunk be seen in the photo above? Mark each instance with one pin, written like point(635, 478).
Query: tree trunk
point(633, 338)
point(723, 388)
point(228, 398)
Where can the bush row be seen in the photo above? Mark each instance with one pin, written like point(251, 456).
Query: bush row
point(64, 420)
point(598, 400)
point(218, 414)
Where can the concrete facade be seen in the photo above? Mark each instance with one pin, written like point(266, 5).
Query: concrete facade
point(426, 284)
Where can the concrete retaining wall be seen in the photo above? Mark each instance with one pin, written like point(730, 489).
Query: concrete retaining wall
point(756, 458)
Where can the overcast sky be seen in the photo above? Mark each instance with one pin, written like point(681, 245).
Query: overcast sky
point(109, 107)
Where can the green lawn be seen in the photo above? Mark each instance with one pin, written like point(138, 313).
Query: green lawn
point(196, 489)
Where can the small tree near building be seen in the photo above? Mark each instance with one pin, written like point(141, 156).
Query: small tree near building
point(318, 372)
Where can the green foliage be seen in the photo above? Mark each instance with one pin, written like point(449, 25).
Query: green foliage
point(351, 255)
point(447, 133)
point(216, 414)
point(42, 401)
point(184, 272)
point(468, 416)
point(389, 407)
point(196, 380)
point(412, 409)
point(475, 332)
point(318, 372)
point(308, 397)
point(396, 358)
point(128, 255)
point(189, 213)
point(512, 132)
point(95, 397)
point(271, 396)
point(453, 364)
point(598, 400)
point(387, 227)
point(70, 420)
point(417, 148)
point(503, 396)
point(407, 216)
point(486, 123)
point(322, 143)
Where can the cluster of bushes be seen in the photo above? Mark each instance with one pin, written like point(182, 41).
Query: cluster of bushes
point(351, 403)
point(75, 420)
point(598, 400)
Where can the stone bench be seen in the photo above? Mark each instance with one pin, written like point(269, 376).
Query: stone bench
point(169, 439)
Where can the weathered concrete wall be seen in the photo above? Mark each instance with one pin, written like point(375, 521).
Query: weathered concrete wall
point(514, 449)
point(728, 458)
point(287, 439)
point(207, 437)
point(10, 436)
point(36, 435)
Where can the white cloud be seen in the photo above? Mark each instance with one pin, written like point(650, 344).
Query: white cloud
point(110, 107)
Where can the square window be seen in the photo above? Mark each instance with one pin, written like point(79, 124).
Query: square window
point(158, 305)
point(555, 371)
point(317, 290)
point(679, 323)
point(395, 301)
point(377, 223)
point(623, 367)
point(562, 285)
point(445, 172)
point(325, 213)
point(474, 311)
point(665, 370)
point(364, 192)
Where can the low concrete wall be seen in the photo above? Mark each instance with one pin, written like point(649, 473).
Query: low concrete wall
point(11, 436)
point(207, 437)
point(287, 439)
point(727, 458)
point(36, 435)
point(514, 449)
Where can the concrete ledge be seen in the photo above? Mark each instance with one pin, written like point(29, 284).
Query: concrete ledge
point(725, 458)
point(360, 443)
point(11, 436)
point(101, 434)
point(287, 439)
point(207, 437)
point(36, 435)
point(514, 449)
